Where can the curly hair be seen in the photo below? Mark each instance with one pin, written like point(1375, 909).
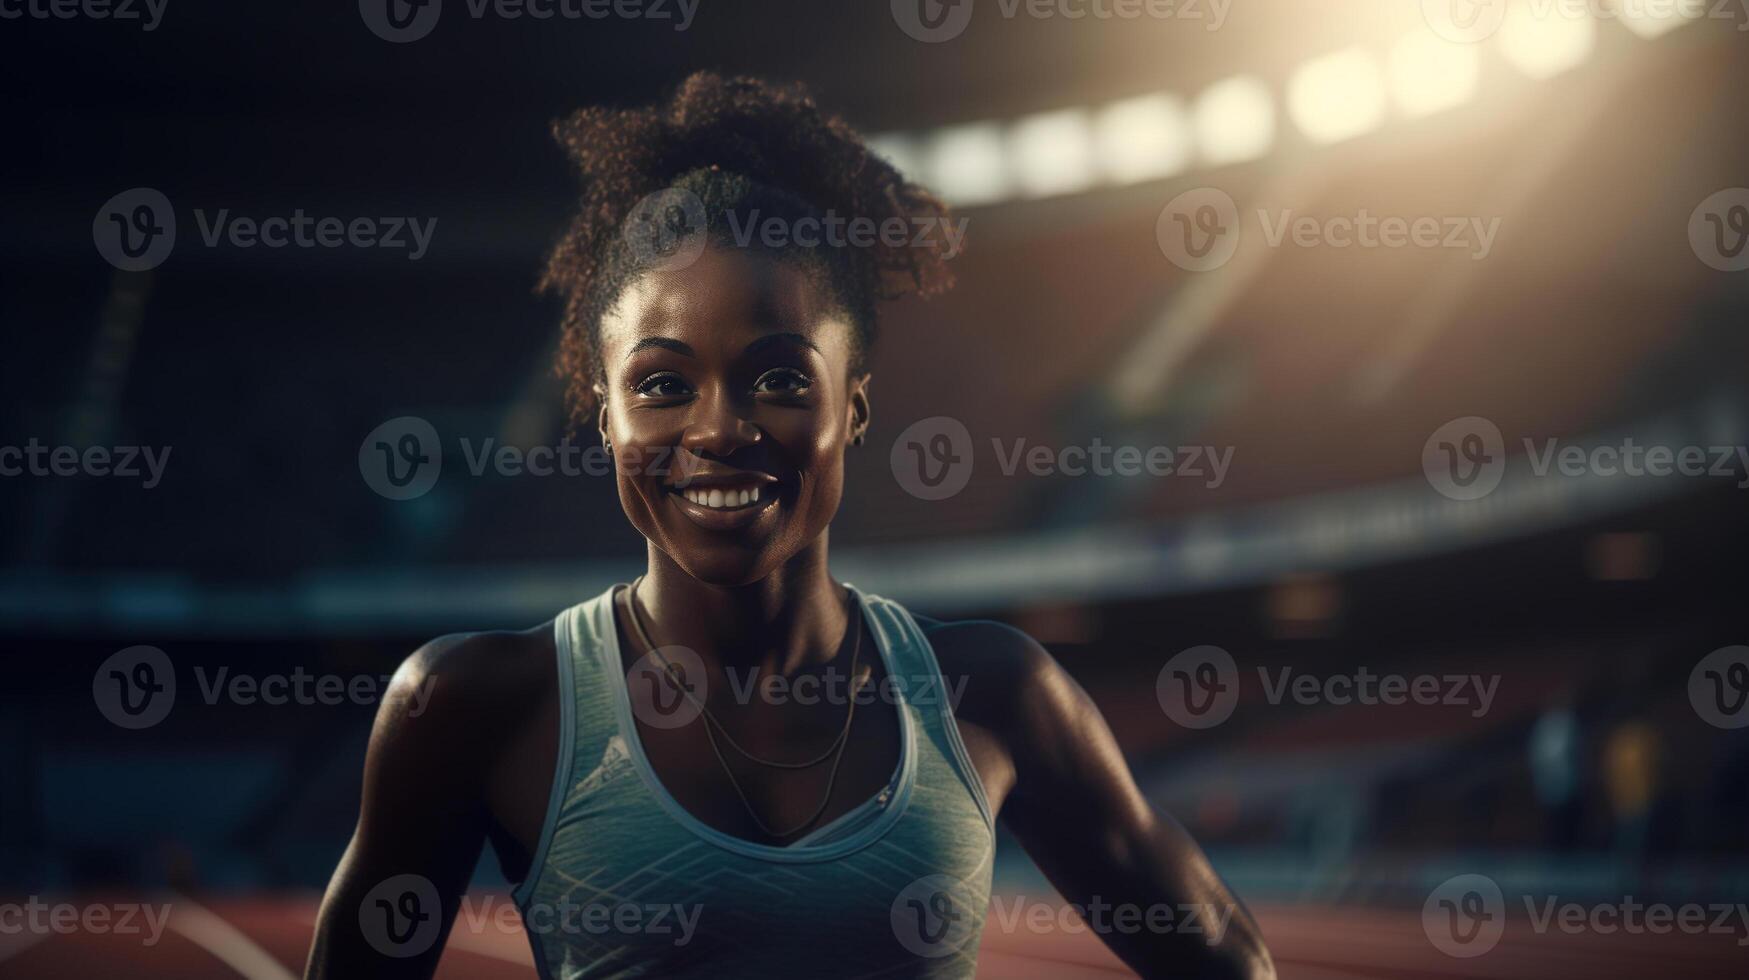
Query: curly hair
point(732, 143)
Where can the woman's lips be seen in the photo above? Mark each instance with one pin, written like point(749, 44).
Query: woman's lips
point(721, 498)
point(724, 508)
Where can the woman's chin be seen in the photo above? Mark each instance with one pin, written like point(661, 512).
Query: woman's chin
point(726, 566)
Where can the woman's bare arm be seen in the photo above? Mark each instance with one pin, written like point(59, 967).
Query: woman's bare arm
point(421, 823)
point(1075, 807)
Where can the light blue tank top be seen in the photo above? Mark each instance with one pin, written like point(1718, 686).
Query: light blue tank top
point(627, 883)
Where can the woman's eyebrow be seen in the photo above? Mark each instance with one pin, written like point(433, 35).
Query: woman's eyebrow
point(771, 339)
point(665, 343)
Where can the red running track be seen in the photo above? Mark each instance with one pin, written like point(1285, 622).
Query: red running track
point(266, 939)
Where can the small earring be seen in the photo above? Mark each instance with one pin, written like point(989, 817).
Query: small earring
point(857, 441)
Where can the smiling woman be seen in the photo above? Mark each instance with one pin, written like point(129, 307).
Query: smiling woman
point(624, 771)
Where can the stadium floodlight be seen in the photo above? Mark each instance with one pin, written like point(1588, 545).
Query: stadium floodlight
point(1429, 75)
point(967, 164)
point(1234, 120)
point(1543, 40)
point(1052, 153)
point(1337, 96)
point(1650, 19)
point(900, 151)
point(1144, 138)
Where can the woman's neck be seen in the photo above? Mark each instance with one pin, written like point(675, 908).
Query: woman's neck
point(792, 619)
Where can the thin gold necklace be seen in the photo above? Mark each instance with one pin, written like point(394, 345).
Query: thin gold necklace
point(835, 750)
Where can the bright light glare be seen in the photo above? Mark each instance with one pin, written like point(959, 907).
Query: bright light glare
point(1338, 96)
point(1143, 138)
point(1234, 120)
point(1543, 40)
point(966, 164)
point(1052, 153)
point(1651, 18)
point(900, 151)
point(1429, 74)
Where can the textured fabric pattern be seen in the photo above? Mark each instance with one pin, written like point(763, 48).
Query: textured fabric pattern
point(627, 884)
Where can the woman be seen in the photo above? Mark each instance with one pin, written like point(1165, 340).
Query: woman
point(647, 765)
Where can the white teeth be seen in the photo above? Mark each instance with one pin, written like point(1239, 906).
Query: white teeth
point(722, 499)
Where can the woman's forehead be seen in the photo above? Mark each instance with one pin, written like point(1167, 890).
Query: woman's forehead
point(725, 300)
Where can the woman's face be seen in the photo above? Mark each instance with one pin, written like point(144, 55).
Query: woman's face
point(729, 405)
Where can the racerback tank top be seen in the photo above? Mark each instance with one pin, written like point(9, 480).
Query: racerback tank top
point(626, 883)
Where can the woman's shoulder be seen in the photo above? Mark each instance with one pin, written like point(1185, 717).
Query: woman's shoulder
point(476, 678)
point(1002, 667)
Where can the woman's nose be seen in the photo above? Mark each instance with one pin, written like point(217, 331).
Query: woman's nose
point(718, 428)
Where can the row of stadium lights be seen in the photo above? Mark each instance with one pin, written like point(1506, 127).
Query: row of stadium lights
point(1330, 98)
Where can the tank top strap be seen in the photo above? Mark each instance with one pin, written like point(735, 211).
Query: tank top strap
point(587, 723)
point(929, 695)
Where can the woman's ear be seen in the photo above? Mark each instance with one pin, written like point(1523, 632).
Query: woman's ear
point(859, 410)
point(600, 391)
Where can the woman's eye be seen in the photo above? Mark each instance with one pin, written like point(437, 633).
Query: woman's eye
point(782, 381)
point(662, 386)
